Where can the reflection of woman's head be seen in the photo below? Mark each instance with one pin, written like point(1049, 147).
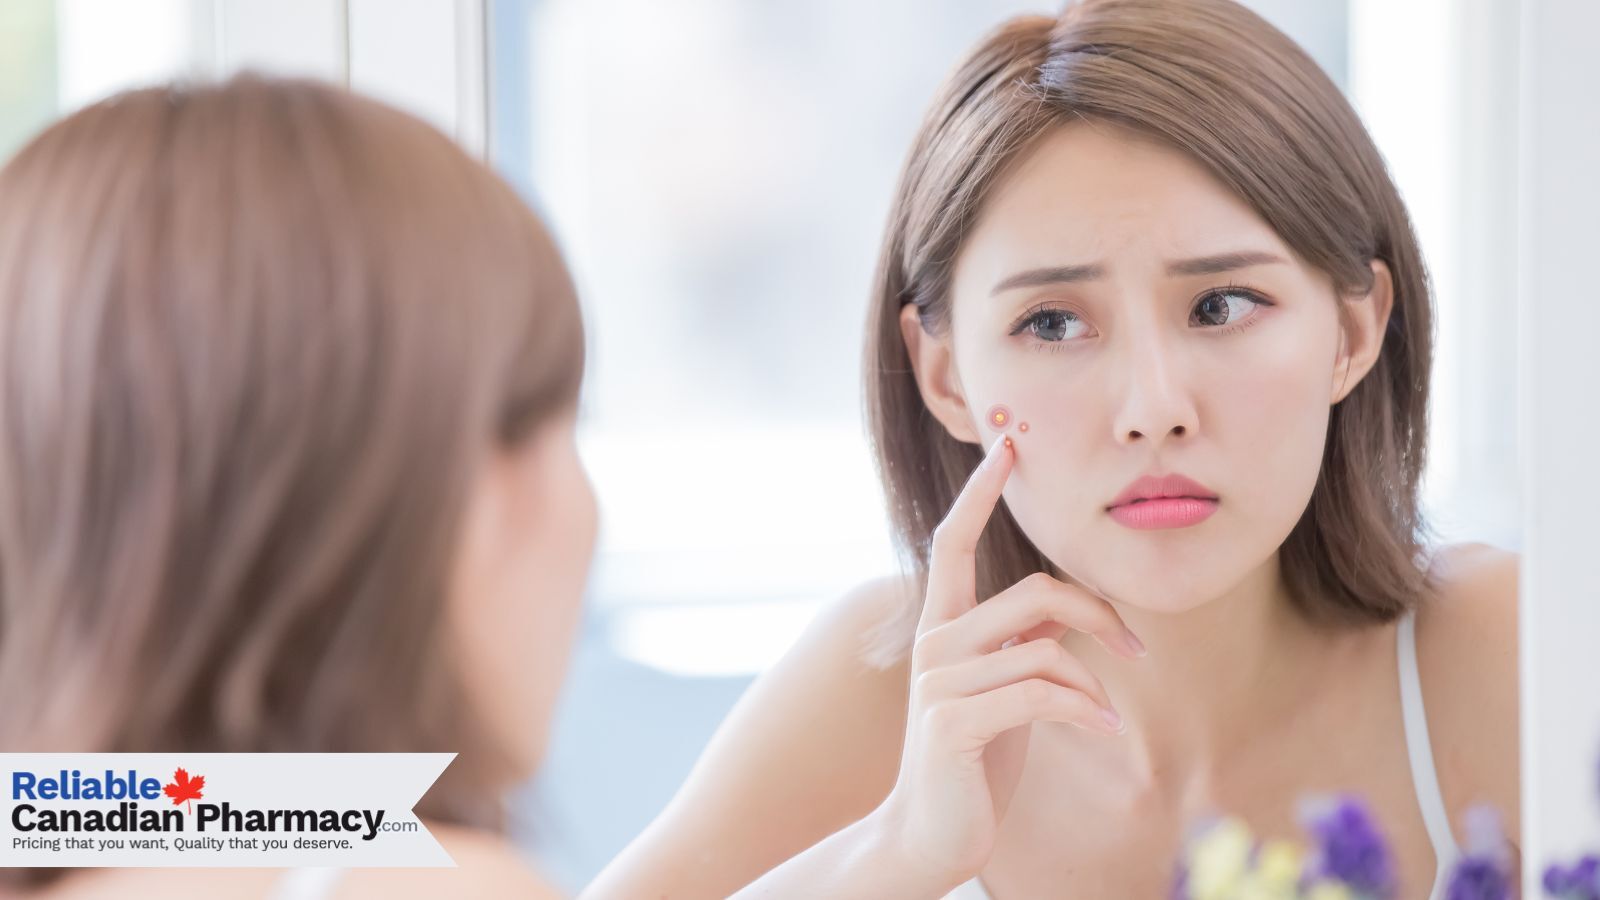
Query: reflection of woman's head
point(262, 345)
point(1036, 257)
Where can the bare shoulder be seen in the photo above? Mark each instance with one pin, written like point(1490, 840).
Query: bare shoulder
point(1467, 662)
point(810, 747)
point(487, 865)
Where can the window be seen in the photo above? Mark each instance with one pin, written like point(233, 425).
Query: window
point(58, 55)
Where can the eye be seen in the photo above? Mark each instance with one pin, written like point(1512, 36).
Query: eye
point(1217, 307)
point(1221, 309)
point(1047, 324)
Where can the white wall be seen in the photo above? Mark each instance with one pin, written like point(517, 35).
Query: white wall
point(426, 56)
point(1559, 129)
point(1435, 84)
point(288, 37)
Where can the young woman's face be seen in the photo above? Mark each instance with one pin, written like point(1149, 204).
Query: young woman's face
point(1141, 366)
point(527, 545)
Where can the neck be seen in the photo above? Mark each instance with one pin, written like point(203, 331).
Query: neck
point(1216, 675)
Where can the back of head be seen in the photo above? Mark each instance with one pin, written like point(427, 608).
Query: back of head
point(255, 338)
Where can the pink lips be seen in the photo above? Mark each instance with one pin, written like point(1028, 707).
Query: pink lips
point(1168, 512)
point(1164, 501)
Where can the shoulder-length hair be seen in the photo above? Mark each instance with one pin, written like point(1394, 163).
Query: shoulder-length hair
point(255, 340)
point(1215, 81)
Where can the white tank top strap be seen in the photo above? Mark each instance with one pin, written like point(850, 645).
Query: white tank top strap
point(968, 890)
point(311, 883)
point(1424, 776)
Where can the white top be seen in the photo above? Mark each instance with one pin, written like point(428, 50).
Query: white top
point(1423, 776)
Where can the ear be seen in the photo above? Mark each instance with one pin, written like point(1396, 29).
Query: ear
point(934, 365)
point(1362, 340)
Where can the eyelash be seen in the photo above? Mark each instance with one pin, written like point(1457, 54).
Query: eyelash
point(1038, 310)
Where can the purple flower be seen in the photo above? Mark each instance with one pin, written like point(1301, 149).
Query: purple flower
point(1581, 882)
point(1348, 845)
point(1486, 835)
point(1180, 883)
point(1484, 871)
point(1478, 878)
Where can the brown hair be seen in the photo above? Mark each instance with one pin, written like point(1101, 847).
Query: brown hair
point(1214, 80)
point(256, 339)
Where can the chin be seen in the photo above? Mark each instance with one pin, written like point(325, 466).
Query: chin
point(1155, 600)
point(1171, 607)
point(1175, 589)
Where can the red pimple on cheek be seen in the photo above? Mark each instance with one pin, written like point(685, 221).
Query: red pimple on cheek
point(1022, 426)
point(999, 417)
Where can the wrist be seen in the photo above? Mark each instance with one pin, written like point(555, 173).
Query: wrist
point(906, 873)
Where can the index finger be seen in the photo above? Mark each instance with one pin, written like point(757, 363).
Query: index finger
point(952, 564)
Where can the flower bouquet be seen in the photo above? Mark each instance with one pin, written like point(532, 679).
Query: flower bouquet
point(1347, 858)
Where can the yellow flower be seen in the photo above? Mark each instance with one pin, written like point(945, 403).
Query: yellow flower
point(1218, 860)
point(1329, 890)
point(1275, 877)
point(1280, 863)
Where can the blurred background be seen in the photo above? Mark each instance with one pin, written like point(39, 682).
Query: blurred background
point(719, 171)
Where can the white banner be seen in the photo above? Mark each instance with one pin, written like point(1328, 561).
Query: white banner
point(217, 809)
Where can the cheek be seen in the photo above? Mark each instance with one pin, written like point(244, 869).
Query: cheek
point(1274, 426)
point(1051, 491)
point(520, 599)
point(1272, 416)
point(538, 603)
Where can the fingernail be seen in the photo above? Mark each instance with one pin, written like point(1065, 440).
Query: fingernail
point(1112, 719)
point(1133, 643)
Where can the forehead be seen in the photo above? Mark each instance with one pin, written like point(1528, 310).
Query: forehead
point(1096, 191)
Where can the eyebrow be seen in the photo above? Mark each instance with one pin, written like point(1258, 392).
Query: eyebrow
point(1200, 265)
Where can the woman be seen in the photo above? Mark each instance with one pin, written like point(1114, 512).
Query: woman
point(287, 398)
point(1141, 250)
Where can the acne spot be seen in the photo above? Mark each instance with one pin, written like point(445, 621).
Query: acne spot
point(1023, 426)
point(999, 417)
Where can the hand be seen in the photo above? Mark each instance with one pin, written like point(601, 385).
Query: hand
point(980, 675)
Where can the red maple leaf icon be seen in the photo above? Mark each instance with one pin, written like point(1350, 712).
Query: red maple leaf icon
point(184, 788)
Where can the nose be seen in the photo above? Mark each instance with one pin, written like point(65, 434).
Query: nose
point(1158, 402)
